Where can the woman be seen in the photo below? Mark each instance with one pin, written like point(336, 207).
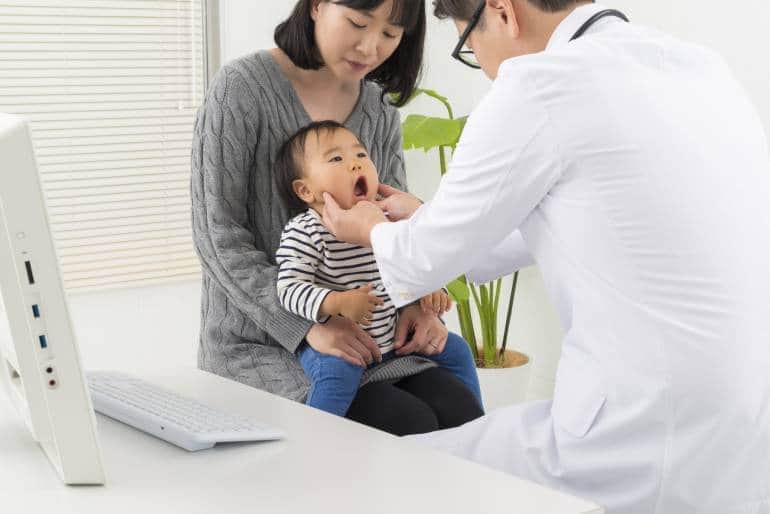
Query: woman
point(337, 60)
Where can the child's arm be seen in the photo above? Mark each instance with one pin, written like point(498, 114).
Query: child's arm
point(298, 258)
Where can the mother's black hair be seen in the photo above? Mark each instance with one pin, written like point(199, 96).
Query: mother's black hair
point(398, 75)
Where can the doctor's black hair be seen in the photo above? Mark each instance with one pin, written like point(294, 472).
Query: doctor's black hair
point(289, 162)
point(398, 76)
point(462, 10)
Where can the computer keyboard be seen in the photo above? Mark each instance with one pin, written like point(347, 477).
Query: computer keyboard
point(174, 418)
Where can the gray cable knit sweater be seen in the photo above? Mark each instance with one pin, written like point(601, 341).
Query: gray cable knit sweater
point(250, 109)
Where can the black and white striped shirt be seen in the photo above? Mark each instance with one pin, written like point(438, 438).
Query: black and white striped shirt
point(312, 263)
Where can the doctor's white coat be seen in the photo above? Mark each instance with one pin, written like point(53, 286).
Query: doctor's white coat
point(632, 168)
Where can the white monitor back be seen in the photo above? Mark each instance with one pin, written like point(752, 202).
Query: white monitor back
point(39, 359)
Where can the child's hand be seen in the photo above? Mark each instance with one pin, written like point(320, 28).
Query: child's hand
point(359, 304)
point(437, 302)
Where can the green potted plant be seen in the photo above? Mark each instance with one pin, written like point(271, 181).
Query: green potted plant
point(490, 351)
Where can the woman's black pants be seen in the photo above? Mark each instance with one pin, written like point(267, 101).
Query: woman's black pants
point(431, 400)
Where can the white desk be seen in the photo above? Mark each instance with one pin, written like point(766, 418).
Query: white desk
point(326, 465)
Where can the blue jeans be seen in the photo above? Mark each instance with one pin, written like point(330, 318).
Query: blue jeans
point(335, 382)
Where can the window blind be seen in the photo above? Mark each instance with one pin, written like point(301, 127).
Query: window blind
point(111, 89)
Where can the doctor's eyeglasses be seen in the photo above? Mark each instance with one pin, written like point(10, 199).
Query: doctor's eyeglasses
point(461, 53)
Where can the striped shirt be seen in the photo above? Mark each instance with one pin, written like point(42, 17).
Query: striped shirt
point(312, 263)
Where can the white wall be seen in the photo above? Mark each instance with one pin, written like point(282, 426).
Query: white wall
point(736, 30)
point(157, 327)
point(137, 330)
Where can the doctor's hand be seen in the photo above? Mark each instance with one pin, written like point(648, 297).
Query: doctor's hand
point(354, 225)
point(429, 335)
point(397, 204)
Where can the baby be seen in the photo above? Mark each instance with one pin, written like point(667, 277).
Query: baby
point(320, 277)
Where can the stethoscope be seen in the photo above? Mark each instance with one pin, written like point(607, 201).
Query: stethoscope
point(596, 17)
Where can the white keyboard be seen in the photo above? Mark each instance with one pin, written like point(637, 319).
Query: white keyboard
point(179, 420)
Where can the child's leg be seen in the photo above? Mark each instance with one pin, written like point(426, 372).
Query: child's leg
point(334, 382)
point(458, 359)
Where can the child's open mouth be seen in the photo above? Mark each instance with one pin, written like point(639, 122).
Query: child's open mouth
point(361, 188)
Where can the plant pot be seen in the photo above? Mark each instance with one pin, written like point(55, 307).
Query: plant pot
point(506, 385)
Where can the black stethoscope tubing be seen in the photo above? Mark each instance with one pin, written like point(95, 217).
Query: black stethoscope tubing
point(596, 17)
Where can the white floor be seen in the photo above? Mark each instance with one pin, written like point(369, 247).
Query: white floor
point(156, 327)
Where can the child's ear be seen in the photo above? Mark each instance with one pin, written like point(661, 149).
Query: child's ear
point(302, 190)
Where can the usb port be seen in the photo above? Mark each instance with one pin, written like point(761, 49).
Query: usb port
point(43, 342)
point(30, 276)
point(36, 311)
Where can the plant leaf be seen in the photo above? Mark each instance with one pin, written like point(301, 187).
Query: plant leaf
point(462, 121)
point(428, 132)
point(458, 290)
point(431, 93)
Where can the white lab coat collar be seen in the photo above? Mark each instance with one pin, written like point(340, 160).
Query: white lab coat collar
point(567, 28)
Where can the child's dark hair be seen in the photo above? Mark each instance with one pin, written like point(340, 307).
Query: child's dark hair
point(288, 163)
point(397, 76)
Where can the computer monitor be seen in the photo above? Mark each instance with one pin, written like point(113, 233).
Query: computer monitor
point(39, 359)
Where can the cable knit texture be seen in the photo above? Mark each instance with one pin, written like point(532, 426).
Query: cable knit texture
point(249, 111)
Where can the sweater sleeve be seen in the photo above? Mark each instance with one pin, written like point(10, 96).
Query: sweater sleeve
point(393, 152)
point(222, 158)
point(298, 258)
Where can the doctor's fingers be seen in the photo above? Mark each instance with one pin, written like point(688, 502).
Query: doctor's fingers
point(399, 207)
point(386, 190)
point(331, 212)
point(330, 203)
point(390, 207)
point(384, 205)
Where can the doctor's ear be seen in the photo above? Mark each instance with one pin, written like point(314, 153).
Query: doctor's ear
point(503, 11)
point(302, 190)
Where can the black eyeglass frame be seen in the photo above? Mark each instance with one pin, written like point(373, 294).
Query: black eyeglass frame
point(458, 51)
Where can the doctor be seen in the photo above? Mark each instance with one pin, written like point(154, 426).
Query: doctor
point(633, 170)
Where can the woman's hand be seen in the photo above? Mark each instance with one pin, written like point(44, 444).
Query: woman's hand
point(353, 225)
point(396, 204)
point(345, 339)
point(429, 335)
